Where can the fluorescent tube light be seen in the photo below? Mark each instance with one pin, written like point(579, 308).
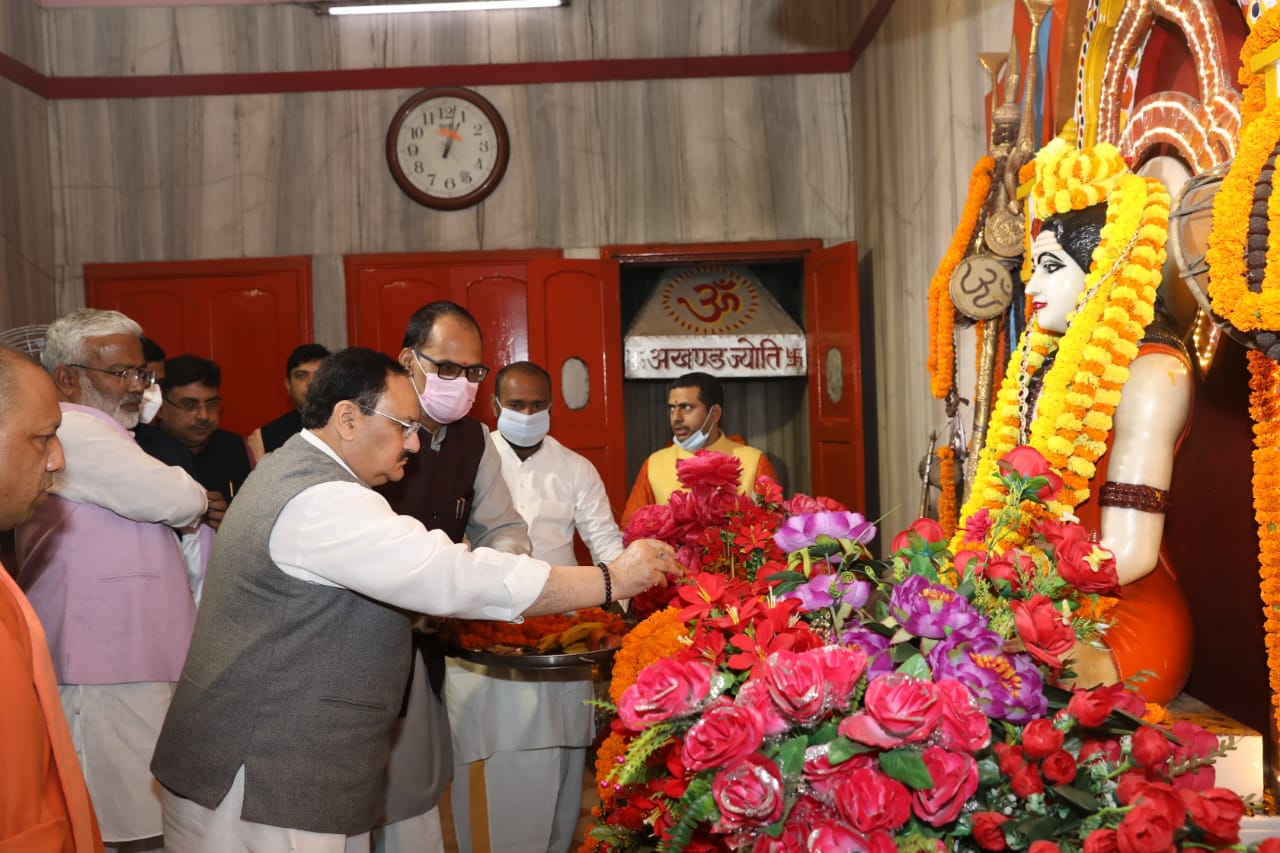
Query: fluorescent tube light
point(441, 6)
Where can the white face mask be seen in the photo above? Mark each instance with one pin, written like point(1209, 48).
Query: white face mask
point(697, 439)
point(151, 402)
point(521, 430)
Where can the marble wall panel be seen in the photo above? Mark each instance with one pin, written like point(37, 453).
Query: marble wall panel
point(26, 215)
point(21, 34)
point(917, 98)
point(244, 39)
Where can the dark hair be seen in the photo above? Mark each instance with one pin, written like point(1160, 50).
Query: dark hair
point(357, 373)
point(151, 351)
point(1078, 232)
point(303, 354)
point(520, 367)
point(186, 369)
point(710, 392)
point(424, 320)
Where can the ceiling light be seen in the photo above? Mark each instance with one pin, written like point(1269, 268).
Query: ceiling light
point(438, 6)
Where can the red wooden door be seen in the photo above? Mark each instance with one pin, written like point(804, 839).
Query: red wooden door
point(835, 368)
point(245, 314)
point(575, 332)
point(383, 291)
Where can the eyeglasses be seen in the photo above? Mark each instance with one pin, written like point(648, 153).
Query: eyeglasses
point(410, 427)
point(126, 375)
point(191, 406)
point(449, 370)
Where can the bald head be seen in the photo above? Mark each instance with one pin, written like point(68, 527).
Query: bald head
point(30, 452)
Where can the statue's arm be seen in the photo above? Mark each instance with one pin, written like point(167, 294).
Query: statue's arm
point(1154, 406)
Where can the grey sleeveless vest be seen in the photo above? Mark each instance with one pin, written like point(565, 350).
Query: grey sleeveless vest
point(299, 682)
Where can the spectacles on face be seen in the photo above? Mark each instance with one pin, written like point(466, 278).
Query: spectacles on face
point(410, 427)
point(452, 370)
point(127, 375)
point(189, 406)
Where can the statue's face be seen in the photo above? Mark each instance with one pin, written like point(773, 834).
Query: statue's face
point(1055, 285)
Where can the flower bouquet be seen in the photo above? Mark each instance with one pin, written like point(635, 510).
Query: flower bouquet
point(810, 698)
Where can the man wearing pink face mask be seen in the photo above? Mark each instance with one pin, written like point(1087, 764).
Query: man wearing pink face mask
point(453, 484)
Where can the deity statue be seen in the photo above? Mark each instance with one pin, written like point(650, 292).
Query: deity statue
point(1103, 388)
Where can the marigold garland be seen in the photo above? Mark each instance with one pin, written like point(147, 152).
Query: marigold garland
point(659, 636)
point(1264, 408)
point(947, 490)
point(482, 633)
point(1229, 291)
point(942, 353)
point(1082, 388)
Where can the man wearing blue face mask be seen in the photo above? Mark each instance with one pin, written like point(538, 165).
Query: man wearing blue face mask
point(518, 773)
point(695, 404)
point(453, 484)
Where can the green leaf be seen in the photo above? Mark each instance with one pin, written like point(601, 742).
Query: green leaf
point(824, 733)
point(790, 758)
point(842, 749)
point(879, 628)
point(989, 774)
point(907, 767)
point(1037, 828)
point(916, 667)
point(787, 577)
point(1077, 797)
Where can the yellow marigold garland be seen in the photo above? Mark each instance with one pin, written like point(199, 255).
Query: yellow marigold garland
point(947, 492)
point(659, 636)
point(1264, 407)
point(942, 352)
point(1082, 388)
point(1260, 121)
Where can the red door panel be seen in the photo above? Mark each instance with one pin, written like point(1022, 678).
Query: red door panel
point(835, 368)
point(245, 314)
point(574, 314)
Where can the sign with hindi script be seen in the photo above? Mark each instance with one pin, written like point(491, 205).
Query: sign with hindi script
point(714, 319)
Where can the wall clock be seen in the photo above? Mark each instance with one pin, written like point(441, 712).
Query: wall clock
point(447, 148)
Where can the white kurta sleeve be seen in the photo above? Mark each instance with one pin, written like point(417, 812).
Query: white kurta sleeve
point(593, 516)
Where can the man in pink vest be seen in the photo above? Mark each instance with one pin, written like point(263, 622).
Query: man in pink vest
point(44, 807)
point(101, 565)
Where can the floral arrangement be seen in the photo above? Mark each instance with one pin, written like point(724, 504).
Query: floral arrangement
point(832, 702)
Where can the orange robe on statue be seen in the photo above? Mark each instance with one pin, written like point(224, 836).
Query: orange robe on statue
point(1151, 626)
point(44, 805)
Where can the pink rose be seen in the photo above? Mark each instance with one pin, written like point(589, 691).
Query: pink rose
point(970, 558)
point(1193, 741)
point(955, 780)
point(794, 839)
point(650, 522)
point(842, 666)
point(926, 528)
point(754, 694)
point(961, 725)
point(749, 793)
point(796, 685)
point(1088, 567)
point(898, 709)
point(724, 733)
point(832, 837)
point(1046, 633)
point(823, 776)
point(667, 689)
point(1028, 462)
point(709, 468)
point(871, 801)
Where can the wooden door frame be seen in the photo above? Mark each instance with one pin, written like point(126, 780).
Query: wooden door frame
point(752, 251)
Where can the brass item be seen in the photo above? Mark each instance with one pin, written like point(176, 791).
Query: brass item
point(981, 287)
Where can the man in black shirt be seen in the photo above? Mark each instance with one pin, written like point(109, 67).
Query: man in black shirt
point(302, 365)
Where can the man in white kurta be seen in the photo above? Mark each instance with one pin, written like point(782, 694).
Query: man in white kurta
point(520, 738)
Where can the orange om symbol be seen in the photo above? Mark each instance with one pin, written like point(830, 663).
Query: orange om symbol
point(718, 298)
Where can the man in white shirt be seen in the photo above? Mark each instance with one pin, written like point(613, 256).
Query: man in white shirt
point(101, 565)
point(278, 735)
point(520, 738)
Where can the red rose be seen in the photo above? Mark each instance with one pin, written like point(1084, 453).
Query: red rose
point(1026, 781)
point(1145, 829)
point(1059, 768)
point(1028, 462)
point(724, 734)
point(1010, 566)
point(870, 801)
point(754, 694)
point(1269, 845)
point(1108, 748)
point(1088, 567)
point(1217, 812)
point(971, 558)
point(653, 521)
point(794, 839)
point(899, 709)
point(1194, 741)
point(926, 528)
point(1056, 533)
point(987, 832)
point(667, 689)
point(1045, 632)
point(1040, 739)
point(1129, 785)
point(955, 780)
point(1151, 747)
point(822, 776)
point(1091, 707)
point(842, 666)
point(711, 469)
point(1101, 841)
point(962, 726)
point(1166, 799)
point(796, 684)
point(748, 794)
point(1044, 847)
point(1010, 758)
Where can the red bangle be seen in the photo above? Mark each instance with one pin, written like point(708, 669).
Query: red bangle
point(1130, 496)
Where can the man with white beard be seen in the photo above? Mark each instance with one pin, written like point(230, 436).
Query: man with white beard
point(101, 565)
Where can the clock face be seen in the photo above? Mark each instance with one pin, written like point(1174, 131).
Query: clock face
point(447, 148)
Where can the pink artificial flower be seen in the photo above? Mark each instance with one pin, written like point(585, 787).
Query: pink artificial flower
point(667, 689)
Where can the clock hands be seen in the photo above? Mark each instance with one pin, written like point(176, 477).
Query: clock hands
point(451, 135)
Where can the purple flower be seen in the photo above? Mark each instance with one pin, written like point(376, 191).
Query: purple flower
point(801, 531)
point(929, 610)
point(875, 646)
point(1006, 686)
point(823, 591)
